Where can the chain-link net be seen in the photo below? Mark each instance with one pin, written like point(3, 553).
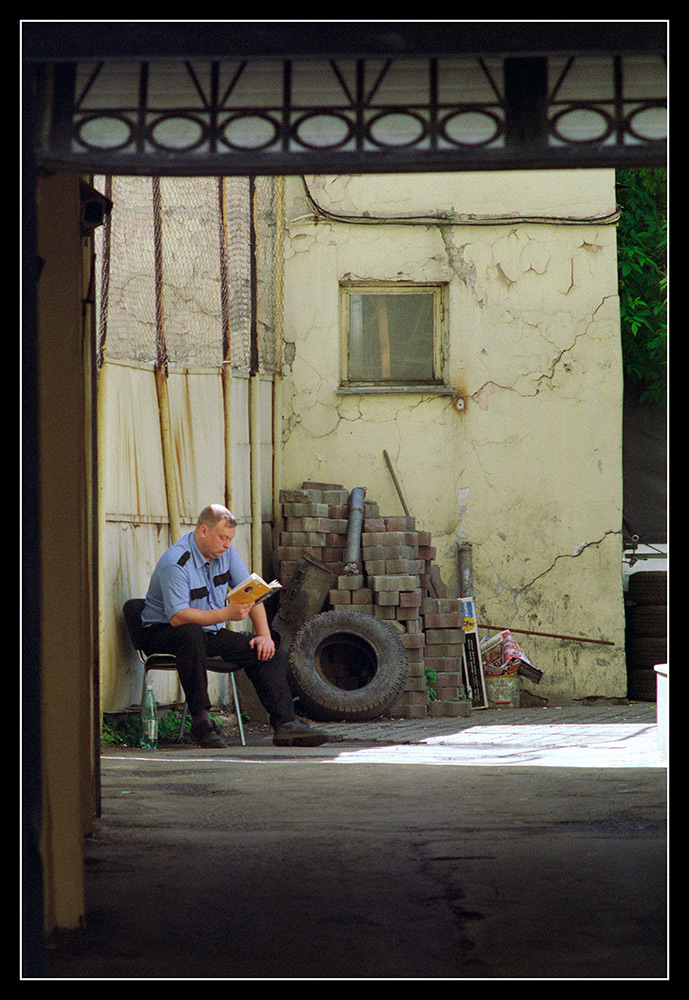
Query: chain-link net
point(186, 279)
point(237, 231)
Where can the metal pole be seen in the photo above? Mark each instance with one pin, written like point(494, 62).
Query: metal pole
point(397, 485)
point(466, 569)
point(161, 371)
point(254, 400)
point(356, 520)
point(227, 344)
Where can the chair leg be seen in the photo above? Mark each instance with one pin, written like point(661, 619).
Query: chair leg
point(186, 709)
point(143, 699)
point(181, 725)
point(238, 710)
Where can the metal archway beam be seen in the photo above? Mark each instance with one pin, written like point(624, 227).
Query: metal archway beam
point(278, 99)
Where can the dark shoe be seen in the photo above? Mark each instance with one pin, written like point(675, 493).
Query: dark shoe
point(298, 734)
point(207, 735)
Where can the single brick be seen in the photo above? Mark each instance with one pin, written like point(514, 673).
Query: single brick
point(374, 524)
point(305, 510)
point(444, 664)
point(310, 484)
point(299, 496)
point(444, 621)
point(413, 641)
point(339, 597)
point(440, 606)
point(362, 596)
point(400, 523)
point(384, 612)
point(409, 615)
point(409, 566)
point(444, 635)
point(389, 597)
point(379, 583)
point(452, 650)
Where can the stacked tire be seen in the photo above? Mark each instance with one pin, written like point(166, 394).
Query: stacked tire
point(646, 632)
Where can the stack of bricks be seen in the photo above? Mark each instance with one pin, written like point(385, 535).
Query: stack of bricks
point(443, 622)
point(315, 520)
point(396, 562)
point(398, 583)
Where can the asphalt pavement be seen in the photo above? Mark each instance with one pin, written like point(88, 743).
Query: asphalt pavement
point(512, 844)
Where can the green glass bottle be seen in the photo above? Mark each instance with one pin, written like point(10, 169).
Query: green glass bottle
point(149, 722)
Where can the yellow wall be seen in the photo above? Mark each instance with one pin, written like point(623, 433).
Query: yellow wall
point(66, 645)
point(530, 470)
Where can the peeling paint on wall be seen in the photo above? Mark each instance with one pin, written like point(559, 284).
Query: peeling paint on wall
point(533, 340)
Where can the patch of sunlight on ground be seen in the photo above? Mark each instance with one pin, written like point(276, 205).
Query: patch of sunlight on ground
point(563, 745)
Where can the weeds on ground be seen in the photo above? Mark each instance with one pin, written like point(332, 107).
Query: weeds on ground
point(431, 678)
point(124, 730)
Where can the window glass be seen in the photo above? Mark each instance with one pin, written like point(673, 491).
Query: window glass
point(391, 336)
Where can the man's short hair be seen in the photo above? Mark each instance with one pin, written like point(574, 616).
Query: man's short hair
point(215, 512)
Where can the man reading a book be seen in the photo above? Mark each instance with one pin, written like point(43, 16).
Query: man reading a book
point(185, 613)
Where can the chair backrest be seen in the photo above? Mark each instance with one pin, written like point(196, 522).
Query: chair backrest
point(132, 616)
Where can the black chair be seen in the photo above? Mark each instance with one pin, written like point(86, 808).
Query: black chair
point(166, 661)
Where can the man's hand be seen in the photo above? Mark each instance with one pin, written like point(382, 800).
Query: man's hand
point(238, 612)
point(264, 646)
point(230, 613)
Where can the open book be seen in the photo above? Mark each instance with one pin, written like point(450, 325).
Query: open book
point(254, 588)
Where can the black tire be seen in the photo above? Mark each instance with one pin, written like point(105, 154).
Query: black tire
point(346, 666)
point(645, 652)
point(647, 621)
point(641, 685)
point(648, 587)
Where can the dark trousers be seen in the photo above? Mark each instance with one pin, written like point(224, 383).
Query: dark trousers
point(193, 645)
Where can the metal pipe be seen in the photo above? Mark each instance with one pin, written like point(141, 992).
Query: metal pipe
point(227, 345)
point(547, 635)
point(352, 550)
point(254, 396)
point(277, 375)
point(255, 458)
point(161, 371)
point(466, 569)
point(227, 414)
point(277, 455)
point(168, 451)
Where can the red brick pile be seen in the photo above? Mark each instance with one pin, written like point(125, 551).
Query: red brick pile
point(398, 582)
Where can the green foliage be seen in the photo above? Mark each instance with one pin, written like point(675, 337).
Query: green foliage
point(123, 730)
point(642, 278)
point(168, 726)
point(120, 731)
point(431, 678)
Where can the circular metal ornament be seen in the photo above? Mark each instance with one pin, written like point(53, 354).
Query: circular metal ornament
point(177, 132)
point(104, 132)
point(582, 124)
point(648, 123)
point(322, 131)
point(471, 127)
point(396, 129)
point(253, 131)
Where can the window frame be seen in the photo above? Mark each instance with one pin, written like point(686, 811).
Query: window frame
point(439, 291)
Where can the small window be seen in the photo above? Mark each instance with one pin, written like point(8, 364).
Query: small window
point(392, 335)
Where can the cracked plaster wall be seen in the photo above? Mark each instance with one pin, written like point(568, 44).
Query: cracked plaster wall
point(530, 471)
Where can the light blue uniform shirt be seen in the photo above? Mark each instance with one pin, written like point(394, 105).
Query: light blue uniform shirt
point(183, 579)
